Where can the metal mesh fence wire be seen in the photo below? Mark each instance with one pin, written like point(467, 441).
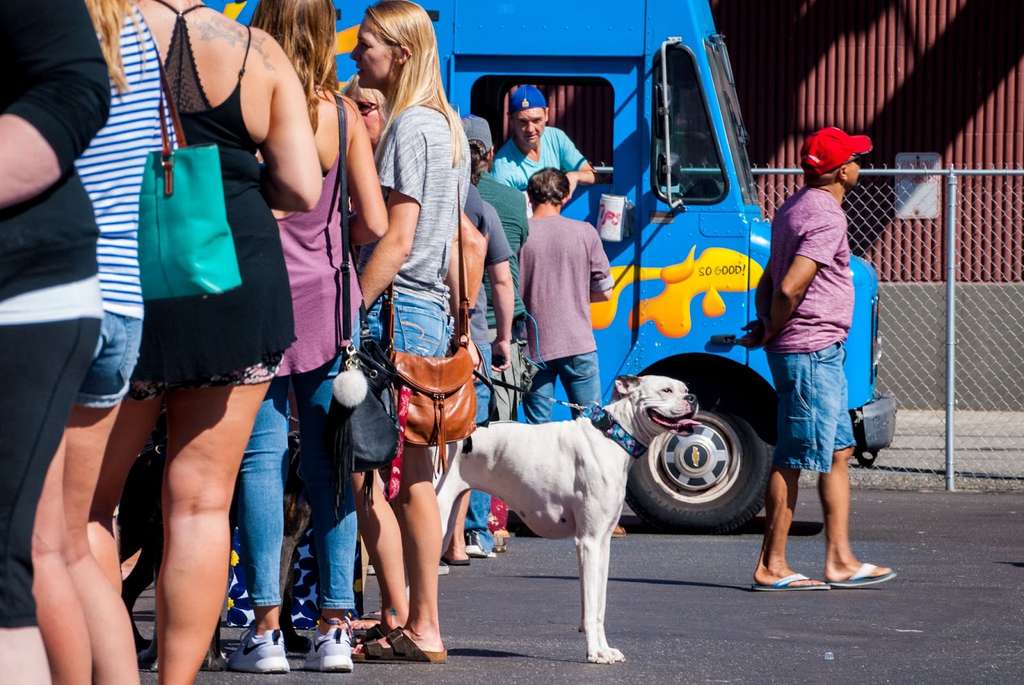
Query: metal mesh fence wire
point(898, 223)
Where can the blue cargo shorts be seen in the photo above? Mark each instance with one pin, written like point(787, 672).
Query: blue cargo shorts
point(813, 419)
point(117, 351)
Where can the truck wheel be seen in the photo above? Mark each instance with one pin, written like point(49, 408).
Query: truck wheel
point(712, 481)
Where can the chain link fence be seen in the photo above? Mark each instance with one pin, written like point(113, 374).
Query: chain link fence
point(948, 246)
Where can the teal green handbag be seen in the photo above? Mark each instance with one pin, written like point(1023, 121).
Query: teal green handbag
point(185, 242)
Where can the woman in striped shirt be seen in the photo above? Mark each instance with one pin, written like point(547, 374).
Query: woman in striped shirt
point(81, 595)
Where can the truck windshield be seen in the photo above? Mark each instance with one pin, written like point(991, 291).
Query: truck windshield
point(695, 169)
point(721, 72)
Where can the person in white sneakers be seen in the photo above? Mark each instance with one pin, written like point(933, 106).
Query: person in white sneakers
point(260, 653)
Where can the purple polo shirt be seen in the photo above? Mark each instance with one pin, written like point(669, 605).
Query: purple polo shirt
point(812, 224)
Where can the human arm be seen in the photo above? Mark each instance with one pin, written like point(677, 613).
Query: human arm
point(762, 306)
point(601, 282)
point(393, 249)
point(475, 245)
point(576, 167)
point(292, 177)
point(503, 296)
point(371, 214)
point(585, 175)
point(53, 50)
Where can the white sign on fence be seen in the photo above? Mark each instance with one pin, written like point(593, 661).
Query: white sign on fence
point(918, 197)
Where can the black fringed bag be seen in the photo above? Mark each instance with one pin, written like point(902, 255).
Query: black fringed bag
point(362, 428)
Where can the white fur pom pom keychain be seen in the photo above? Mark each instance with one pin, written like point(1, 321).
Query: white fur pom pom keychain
point(350, 387)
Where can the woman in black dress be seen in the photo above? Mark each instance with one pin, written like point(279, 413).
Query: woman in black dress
point(210, 358)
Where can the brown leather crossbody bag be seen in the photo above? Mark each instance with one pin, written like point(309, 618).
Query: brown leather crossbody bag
point(442, 407)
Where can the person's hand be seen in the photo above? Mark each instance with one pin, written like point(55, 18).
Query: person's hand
point(501, 353)
point(574, 180)
point(756, 335)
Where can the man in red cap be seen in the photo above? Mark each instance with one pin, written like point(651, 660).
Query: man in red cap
point(804, 309)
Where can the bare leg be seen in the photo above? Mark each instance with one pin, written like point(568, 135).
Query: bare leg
point(266, 618)
point(457, 546)
point(57, 607)
point(110, 633)
point(420, 521)
point(834, 490)
point(134, 422)
point(380, 531)
point(779, 505)
point(208, 430)
point(23, 656)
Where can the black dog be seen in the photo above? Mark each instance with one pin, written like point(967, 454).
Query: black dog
point(140, 529)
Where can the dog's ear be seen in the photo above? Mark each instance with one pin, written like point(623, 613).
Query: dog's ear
point(625, 385)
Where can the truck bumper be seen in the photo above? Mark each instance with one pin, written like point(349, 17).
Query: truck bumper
point(874, 424)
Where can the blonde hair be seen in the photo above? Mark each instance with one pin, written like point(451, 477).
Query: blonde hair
point(108, 18)
point(400, 23)
point(305, 30)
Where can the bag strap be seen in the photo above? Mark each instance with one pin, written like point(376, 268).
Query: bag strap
point(462, 325)
point(339, 199)
point(167, 152)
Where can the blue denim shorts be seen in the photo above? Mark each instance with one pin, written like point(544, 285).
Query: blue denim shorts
point(813, 418)
point(422, 326)
point(117, 351)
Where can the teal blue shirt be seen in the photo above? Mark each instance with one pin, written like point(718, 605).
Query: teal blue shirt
point(514, 169)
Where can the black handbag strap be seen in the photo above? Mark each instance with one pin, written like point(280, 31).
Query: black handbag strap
point(339, 200)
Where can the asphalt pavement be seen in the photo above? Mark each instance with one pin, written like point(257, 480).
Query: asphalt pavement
point(680, 609)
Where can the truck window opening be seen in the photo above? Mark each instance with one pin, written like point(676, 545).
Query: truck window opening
point(695, 168)
point(721, 72)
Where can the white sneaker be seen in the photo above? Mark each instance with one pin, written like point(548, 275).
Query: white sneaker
point(474, 548)
point(259, 653)
point(332, 652)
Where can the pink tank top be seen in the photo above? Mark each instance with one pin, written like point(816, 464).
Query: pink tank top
point(316, 299)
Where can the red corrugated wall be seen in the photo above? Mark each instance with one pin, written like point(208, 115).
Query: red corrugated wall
point(943, 76)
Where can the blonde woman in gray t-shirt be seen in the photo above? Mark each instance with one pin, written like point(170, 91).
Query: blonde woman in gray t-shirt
point(423, 162)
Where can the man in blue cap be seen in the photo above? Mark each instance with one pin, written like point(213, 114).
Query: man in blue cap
point(534, 145)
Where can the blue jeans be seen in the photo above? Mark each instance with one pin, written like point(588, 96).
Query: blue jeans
point(813, 421)
point(480, 502)
point(422, 327)
point(579, 376)
point(261, 493)
point(117, 350)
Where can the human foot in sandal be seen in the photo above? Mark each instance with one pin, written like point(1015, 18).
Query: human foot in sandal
point(405, 648)
point(854, 575)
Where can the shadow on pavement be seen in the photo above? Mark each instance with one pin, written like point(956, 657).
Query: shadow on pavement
point(645, 581)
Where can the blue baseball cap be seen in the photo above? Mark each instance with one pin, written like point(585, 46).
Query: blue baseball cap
point(525, 97)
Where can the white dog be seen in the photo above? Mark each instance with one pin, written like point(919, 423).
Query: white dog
point(569, 478)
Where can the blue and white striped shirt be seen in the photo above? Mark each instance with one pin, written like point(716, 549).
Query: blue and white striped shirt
point(111, 168)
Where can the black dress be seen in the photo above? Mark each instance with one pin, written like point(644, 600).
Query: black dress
point(239, 336)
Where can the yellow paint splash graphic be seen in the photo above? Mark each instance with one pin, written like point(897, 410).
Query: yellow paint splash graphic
point(233, 9)
point(717, 270)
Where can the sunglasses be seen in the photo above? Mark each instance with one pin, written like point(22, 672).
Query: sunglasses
point(366, 107)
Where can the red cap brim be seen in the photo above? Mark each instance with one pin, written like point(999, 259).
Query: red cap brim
point(860, 145)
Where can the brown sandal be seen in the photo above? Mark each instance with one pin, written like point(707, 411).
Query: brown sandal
point(405, 649)
point(372, 649)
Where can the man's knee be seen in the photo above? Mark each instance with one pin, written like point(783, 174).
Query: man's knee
point(842, 457)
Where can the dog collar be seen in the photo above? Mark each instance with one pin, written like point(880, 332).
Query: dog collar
point(613, 430)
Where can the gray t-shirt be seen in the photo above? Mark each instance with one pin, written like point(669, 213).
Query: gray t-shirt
point(415, 159)
point(485, 218)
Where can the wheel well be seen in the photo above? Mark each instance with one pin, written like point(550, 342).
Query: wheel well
point(725, 385)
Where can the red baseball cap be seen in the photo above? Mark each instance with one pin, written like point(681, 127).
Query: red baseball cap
point(829, 148)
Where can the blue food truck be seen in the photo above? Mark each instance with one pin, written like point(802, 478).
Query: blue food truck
point(696, 243)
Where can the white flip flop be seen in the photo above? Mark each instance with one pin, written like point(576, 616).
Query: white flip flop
point(862, 578)
point(786, 585)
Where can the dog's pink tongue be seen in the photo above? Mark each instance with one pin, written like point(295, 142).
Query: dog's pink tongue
point(685, 425)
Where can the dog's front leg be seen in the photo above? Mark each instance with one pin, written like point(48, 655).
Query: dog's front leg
point(590, 552)
point(604, 555)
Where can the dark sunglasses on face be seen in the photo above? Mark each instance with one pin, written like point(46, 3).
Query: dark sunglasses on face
point(366, 107)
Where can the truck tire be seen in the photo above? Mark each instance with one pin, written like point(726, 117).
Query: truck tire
point(712, 481)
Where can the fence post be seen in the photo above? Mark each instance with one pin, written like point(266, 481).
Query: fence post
point(951, 262)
